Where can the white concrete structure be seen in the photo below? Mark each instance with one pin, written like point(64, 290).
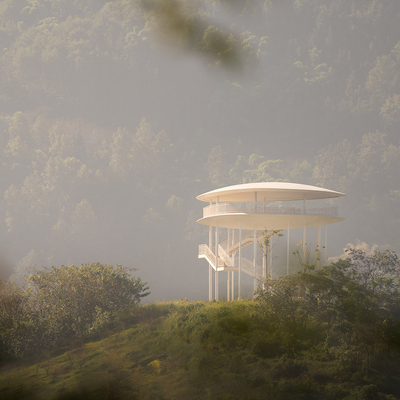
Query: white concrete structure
point(245, 208)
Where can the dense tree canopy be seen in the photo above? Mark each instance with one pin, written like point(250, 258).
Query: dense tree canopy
point(60, 305)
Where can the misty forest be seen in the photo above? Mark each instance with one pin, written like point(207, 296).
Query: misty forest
point(114, 116)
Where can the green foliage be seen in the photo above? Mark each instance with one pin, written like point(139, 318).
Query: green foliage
point(71, 296)
point(62, 305)
point(215, 350)
point(18, 320)
point(349, 308)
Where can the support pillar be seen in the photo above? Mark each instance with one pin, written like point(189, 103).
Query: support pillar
point(240, 259)
point(270, 256)
point(209, 282)
point(255, 258)
point(304, 244)
point(319, 248)
point(233, 263)
point(233, 286)
point(287, 249)
point(216, 285)
point(228, 284)
point(229, 276)
point(209, 266)
point(264, 263)
point(216, 262)
point(326, 243)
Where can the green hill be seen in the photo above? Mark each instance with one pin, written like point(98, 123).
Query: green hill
point(181, 350)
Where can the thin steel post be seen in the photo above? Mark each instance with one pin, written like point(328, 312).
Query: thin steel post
point(209, 266)
point(216, 262)
point(304, 244)
point(319, 247)
point(228, 286)
point(240, 259)
point(287, 249)
point(270, 255)
point(255, 258)
point(264, 264)
point(326, 243)
point(233, 286)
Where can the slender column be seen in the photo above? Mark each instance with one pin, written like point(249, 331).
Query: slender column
point(255, 258)
point(304, 244)
point(287, 249)
point(210, 267)
point(228, 281)
point(228, 242)
point(264, 264)
point(216, 262)
point(216, 285)
point(264, 209)
point(233, 263)
point(270, 256)
point(255, 202)
point(304, 203)
point(209, 282)
point(319, 247)
point(233, 286)
point(326, 242)
point(240, 258)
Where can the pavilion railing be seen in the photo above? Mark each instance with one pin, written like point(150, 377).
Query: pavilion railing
point(233, 208)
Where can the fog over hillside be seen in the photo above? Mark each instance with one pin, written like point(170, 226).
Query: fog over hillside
point(115, 115)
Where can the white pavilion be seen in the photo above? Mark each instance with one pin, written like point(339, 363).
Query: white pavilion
point(246, 213)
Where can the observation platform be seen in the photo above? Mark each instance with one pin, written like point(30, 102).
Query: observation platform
point(247, 207)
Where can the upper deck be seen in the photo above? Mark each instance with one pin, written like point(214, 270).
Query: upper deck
point(248, 205)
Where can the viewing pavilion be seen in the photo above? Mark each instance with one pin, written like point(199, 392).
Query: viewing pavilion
point(245, 211)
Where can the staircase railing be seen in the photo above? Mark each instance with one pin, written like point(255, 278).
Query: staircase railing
point(248, 267)
point(225, 257)
point(204, 250)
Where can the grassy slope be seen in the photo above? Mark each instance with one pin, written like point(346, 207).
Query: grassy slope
point(185, 351)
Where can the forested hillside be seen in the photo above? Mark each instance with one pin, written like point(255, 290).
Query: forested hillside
point(114, 116)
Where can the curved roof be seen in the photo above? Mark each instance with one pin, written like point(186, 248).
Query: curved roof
point(270, 191)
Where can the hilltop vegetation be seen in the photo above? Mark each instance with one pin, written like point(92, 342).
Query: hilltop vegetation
point(327, 334)
point(60, 306)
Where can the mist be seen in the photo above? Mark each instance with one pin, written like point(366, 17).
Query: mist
point(112, 122)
